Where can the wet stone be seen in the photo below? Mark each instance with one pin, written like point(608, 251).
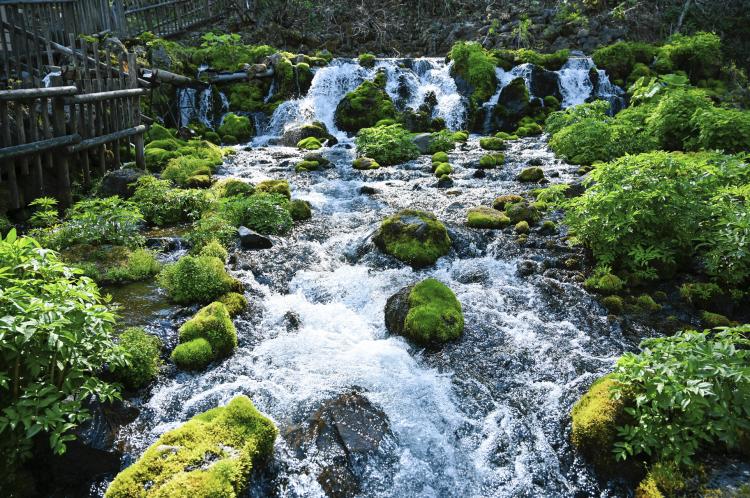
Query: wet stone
point(250, 239)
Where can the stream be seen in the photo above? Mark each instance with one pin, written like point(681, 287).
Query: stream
point(486, 416)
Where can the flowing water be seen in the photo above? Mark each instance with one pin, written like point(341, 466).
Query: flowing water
point(486, 416)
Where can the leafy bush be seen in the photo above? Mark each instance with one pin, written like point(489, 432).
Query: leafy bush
point(55, 335)
point(265, 213)
point(699, 55)
point(196, 279)
point(584, 142)
point(648, 212)
point(163, 205)
point(387, 145)
point(560, 119)
point(727, 130)
point(140, 264)
point(45, 212)
point(442, 141)
point(727, 242)
point(691, 391)
point(96, 222)
point(619, 59)
point(477, 67)
point(670, 123)
point(142, 350)
point(215, 249)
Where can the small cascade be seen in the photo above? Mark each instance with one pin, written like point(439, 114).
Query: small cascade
point(207, 107)
point(577, 88)
point(504, 79)
point(186, 105)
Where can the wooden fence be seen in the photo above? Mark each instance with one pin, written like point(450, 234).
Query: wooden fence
point(73, 130)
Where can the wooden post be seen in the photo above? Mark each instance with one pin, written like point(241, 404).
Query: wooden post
point(64, 195)
point(140, 158)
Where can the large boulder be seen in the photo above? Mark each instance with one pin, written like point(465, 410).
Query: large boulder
point(295, 134)
point(544, 82)
point(512, 106)
point(343, 434)
point(427, 313)
point(423, 141)
point(250, 239)
point(414, 237)
point(120, 182)
point(365, 106)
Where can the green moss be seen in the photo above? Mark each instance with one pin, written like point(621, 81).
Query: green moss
point(646, 303)
point(214, 324)
point(231, 187)
point(435, 315)
point(213, 137)
point(109, 264)
point(522, 211)
point(235, 303)
point(229, 140)
point(300, 210)
point(491, 161)
point(614, 304)
point(486, 217)
point(211, 227)
point(157, 159)
point(180, 169)
point(440, 157)
point(596, 417)
point(365, 163)
point(365, 106)
point(198, 181)
point(715, 320)
point(366, 60)
point(142, 350)
point(492, 143)
point(500, 202)
point(443, 169)
point(648, 488)
point(507, 59)
point(619, 59)
point(548, 226)
point(699, 55)
point(532, 174)
point(263, 212)
point(166, 144)
point(505, 136)
point(606, 283)
point(309, 143)
point(304, 166)
point(700, 293)
point(197, 279)
point(247, 97)
point(551, 102)
point(387, 145)
point(461, 136)
point(522, 227)
point(193, 355)
point(529, 130)
point(414, 237)
point(236, 126)
point(476, 66)
point(210, 455)
point(158, 132)
point(214, 249)
point(442, 141)
point(274, 187)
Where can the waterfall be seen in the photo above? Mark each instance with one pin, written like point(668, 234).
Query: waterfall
point(201, 106)
point(576, 85)
point(186, 104)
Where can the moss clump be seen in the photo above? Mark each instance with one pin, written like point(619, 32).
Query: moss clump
point(443, 169)
point(229, 140)
point(548, 226)
point(522, 227)
point(605, 283)
point(504, 200)
point(247, 97)
point(490, 161)
point(492, 143)
point(715, 320)
point(365, 163)
point(440, 157)
point(157, 159)
point(197, 279)
point(505, 136)
point(522, 211)
point(414, 237)
point(211, 455)
point(170, 143)
point(193, 355)
point(614, 304)
point(142, 349)
point(300, 210)
point(198, 181)
point(435, 315)
point(647, 304)
point(365, 106)
point(507, 58)
point(274, 187)
point(460, 136)
point(533, 174)
point(529, 130)
point(239, 127)
point(263, 212)
point(212, 324)
point(158, 132)
point(231, 187)
point(309, 143)
point(235, 303)
point(476, 66)
point(388, 145)
point(304, 166)
point(109, 264)
point(486, 217)
point(366, 60)
point(214, 249)
point(596, 417)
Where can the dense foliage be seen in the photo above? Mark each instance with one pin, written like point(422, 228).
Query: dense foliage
point(142, 349)
point(55, 335)
point(690, 391)
point(263, 212)
point(196, 279)
point(162, 204)
point(387, 145)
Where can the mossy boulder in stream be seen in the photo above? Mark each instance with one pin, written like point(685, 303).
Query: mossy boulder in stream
point(239, 127)
point(211, 324)
point(414, 237)
point(427, 313)
point(486, 217)
point(365, 106)
point(210, 455)
point(197, 279)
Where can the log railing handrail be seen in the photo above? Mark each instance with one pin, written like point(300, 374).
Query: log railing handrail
point(37, 93)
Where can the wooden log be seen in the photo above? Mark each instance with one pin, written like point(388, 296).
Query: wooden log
point(65, 196)
point(140, 158)
point(37, 147)
point(89, 143)
point(163, 76)
point(239, 76)
point(35, 93)
point(106, 95)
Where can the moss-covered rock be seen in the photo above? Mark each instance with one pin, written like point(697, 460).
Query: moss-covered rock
point(388, 145)
point(486, 217)
point(198, 181)
point(309, 143)
point(365, 163)
point(522, 211)
point(443, 169)
point(306, 166)
point(491, 161)
point(715, 320)
point(492, 143)
point(440, 157)
point(614, 304)
point(522, 227)
point(235, 303)
point(606, 283)
point(143, 350)
point(157, 159)
point(213, 324)
point(414, 237)
point(274, 187)
point(300, 210)
point(210, 455)
point(247, 96)
point(532, 174)
point(158, 132)
point(596, 417)
point(365, 106)
point(427, 313)
point(232, 187)
point(214, 249)
point(197, 279)
point(476, 67)
point(366, 60)
point(503, 200)
point(239, 127)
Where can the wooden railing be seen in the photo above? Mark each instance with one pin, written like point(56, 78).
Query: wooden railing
point(169, 17)
point(86, 122)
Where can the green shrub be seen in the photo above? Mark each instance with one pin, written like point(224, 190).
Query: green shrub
point(140, 264)
point(209, 228)
point(142, 351)
point(727, 130)
point(584, 142)
point(163, 205)
point(196, 279)
point(214, 249)
point(365, 106)
point(45, 213)
point(646, 213)
point(604, 281)
point(477, 67)
point(435, 315)
point(727, 241)
point(692, 391)
point(232, 440)
point(699, 55)
point(670, 122)
point(442, 141)
point(387, 145)
point(55, 334)
point(265, 213)
point(240, 127)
